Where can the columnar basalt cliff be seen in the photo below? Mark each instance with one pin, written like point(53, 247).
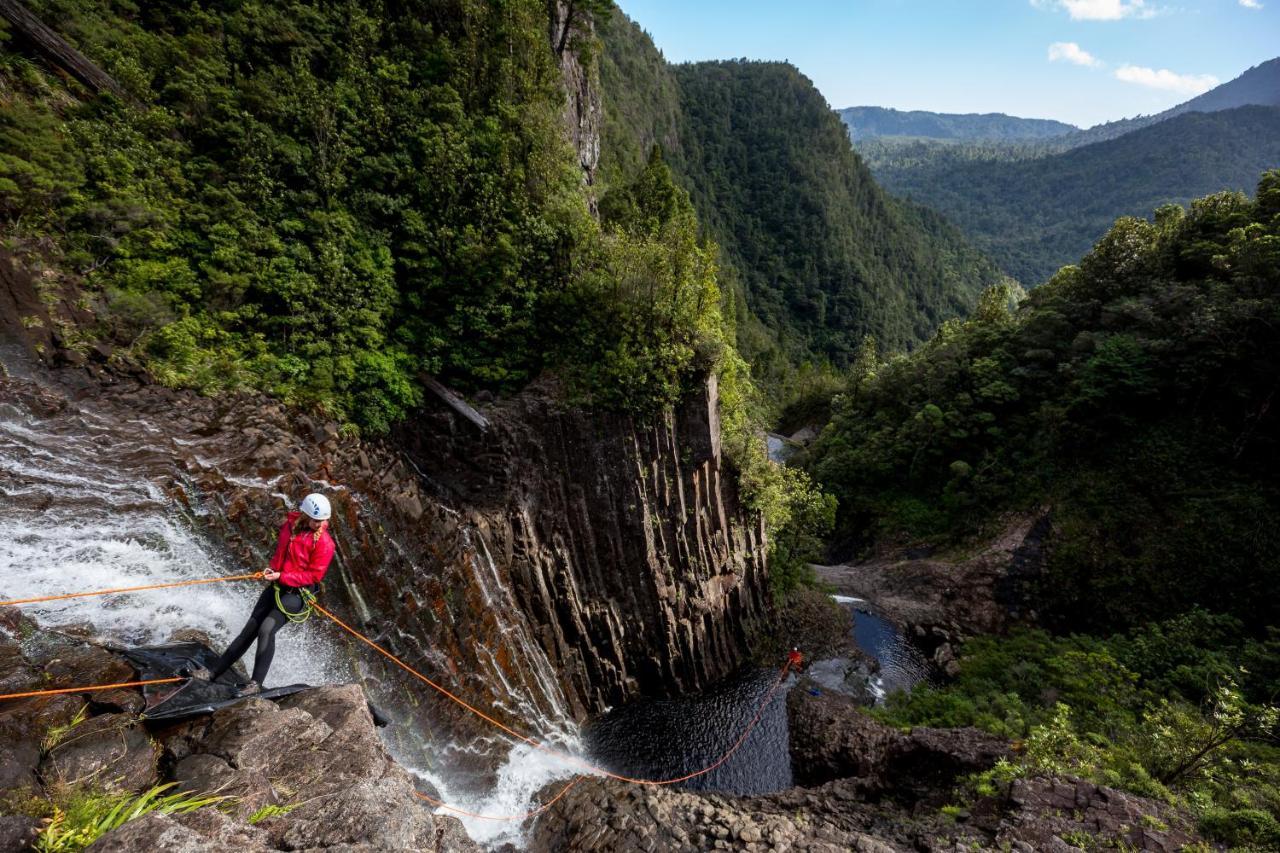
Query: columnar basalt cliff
point(558, 562)
point(627, 543)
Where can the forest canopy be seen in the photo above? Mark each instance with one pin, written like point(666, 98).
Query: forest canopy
point(1130, 394)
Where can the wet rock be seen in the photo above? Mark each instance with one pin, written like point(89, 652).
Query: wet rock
point(18, 832)
point(1044, 812)
point(833, 738)
point(109, 751)
point(23, 726)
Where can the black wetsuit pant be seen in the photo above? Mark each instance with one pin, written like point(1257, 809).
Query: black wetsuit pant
point(263, 623)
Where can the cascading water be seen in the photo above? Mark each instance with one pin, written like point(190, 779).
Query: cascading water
point(80, 514)
point(83, 505)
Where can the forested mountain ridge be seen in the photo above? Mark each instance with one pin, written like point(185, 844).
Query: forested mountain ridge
point(1036, 204)
point(1036, 214)
point(822, 255)
point(875, 122)
point(1258, 86)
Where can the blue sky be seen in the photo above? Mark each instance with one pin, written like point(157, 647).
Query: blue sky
point(1111, 58)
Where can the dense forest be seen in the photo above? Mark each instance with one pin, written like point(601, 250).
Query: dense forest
point(877, 122)
point(1129, 397)
point(1129, 392)
point(325, 201)
point(821, 255)
point(1034, 213)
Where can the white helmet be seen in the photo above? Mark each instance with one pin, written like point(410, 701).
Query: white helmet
point(315, 506)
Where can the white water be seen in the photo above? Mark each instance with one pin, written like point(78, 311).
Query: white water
point(76, 515)
point(79, 510)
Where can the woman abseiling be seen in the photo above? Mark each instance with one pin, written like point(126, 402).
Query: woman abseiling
point(304, 549)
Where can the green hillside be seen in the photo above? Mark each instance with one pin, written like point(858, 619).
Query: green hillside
point(1131, 394)
point(325, 201)
point(1035, 214)
point(819, 254)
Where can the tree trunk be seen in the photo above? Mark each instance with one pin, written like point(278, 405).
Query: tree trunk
point(55, 49)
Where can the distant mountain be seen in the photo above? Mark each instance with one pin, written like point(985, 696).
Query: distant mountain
point(1035, 215)
point(873, 122)
point(1259, 85)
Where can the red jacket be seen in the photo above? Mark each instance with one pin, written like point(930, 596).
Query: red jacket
point(301, 559)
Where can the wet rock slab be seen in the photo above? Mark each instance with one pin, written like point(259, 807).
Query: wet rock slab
point(315, 754)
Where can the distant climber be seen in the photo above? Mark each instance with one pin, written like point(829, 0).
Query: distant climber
point(795, 659)
point(304, 549)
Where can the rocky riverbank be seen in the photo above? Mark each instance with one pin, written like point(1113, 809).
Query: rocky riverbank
point(938, 601)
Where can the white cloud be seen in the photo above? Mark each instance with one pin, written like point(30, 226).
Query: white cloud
point(1102, 10)
point(1069, 51)
point(1251, 4)
point(1183, 84)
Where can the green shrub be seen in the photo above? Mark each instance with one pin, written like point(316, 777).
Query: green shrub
point(80, 816)
point(1241, 827)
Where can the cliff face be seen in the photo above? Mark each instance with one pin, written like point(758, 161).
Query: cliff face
point(558, 562)
point(625, 543)
point(570, 29)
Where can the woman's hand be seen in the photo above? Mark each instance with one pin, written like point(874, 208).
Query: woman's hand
point(270, 575)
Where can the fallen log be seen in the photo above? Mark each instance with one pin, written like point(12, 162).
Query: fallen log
point(56, 50)
point(455, 402)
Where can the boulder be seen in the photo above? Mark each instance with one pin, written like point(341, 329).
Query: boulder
point(610, 815)
point(317, 754)
point(18, 832)
point(159, 833)
point(832, 737)
point(109, 751)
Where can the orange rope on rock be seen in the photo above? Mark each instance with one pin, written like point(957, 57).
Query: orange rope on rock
point(89, 688)
point(16, 601)
point(560, 754)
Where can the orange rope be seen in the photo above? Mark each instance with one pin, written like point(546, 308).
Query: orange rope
point(254, 576)
point(90, 688)
point(564, 756)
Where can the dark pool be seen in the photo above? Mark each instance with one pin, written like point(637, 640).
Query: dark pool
point(902, 665)
point(662, 738)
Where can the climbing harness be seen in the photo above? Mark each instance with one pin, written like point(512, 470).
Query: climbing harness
point(312, 605)
point(308, 605)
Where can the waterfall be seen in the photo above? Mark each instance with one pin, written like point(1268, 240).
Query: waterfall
point(88, 501)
